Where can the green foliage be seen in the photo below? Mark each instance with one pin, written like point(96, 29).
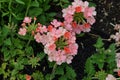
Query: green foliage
point(101, 75)
point(101, 63)
point(66, 72)
point(16, 54)
point(38, 76)
point(16, 10)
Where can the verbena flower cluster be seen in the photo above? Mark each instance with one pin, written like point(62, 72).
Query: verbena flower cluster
point(59, 38)
point(79, 16)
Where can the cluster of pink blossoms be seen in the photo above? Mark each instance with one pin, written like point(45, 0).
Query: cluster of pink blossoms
point(79, 16)
point(59, 44)
point(23, 30)
point(59, 38)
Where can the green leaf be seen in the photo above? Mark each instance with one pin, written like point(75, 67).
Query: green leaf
point(43, 19)
point(18, 43)
point(4, 14)
point(52, 14)
point(99, 43)
point(59, 70)
point(34, 62)
point(38, 75)
point(18, 66)
point(4, 66)
point(91, 4)
point(1, 71)
point(46, 7)
point(20, 2)
point(47, 77)
point(34, 4)
point(5, 31)
point(89, 67)
point(80, 35)
point(63, 78)
point(70, 73)
point(7, 55)
point(101, 75)
point(14, 72)
point(41, 55)
point(34, 12)
point(8, 42)
point(29, 51)
point(4, 1)
point(23, 60)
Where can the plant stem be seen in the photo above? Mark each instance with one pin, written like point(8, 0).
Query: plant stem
point(53, 71)
point(118, 78)
point(29, 41)
point(28, 8)
point(10, 11)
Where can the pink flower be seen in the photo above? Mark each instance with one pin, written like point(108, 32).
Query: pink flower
point(22, 31)
point(78, 29)
point(37, 37)
point(52, 56)
point(52, 47)
point(78, 9)
point(117, 37)
point(89, 12)
point(60, 57)
point(67, 26)
point(58, 32)
point(77, 3)
point(68, 11)
point(73, 48)
point(110, 77)
point(86, 27)
point(27, 20)
point(56, 23)
point(28, 77)
point(91, 20)
point(69, 59)
point(68, 18)
point(117, 27)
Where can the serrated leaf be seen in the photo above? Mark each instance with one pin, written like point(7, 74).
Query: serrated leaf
point(20, 2)
point(8, 42)
point(7, 55)
point(41, 55)
point(89, 68)
point(70, 73)
point(59, 71)
point(29, 51)
point(99, 43)
point(18, 43)
point(34, 62)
